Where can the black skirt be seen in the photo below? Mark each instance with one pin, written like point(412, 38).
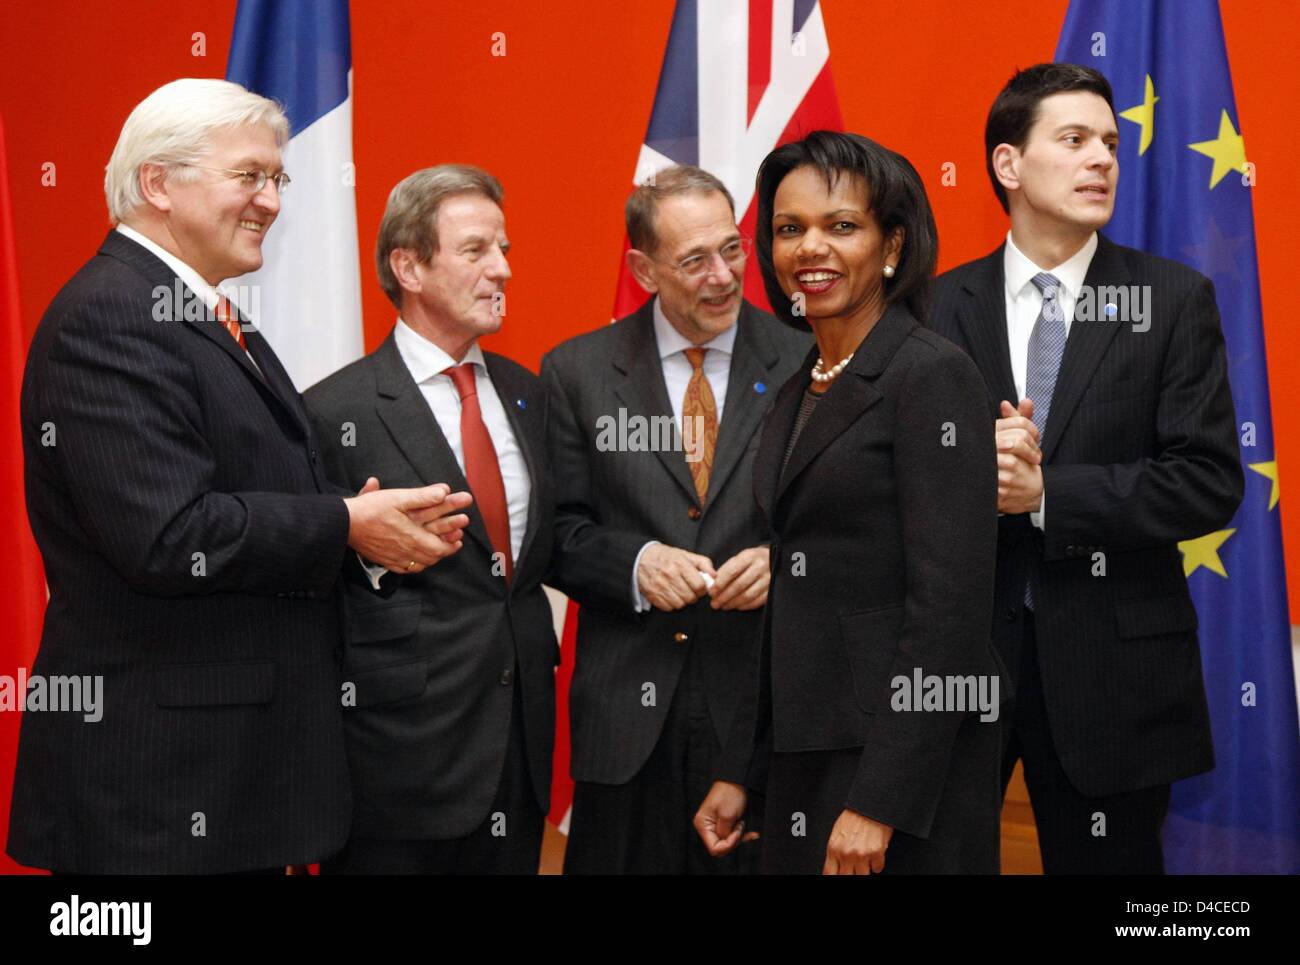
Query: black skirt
point(806, 792)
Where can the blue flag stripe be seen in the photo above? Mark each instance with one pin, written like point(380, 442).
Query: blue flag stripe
point(298, 52)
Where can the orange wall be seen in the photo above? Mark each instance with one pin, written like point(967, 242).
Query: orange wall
point(560, 120)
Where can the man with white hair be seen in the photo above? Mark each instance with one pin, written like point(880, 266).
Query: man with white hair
point(192, 544)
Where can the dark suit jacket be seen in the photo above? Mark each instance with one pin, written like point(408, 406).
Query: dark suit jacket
point(883, 551)
point(611, 503)
point(433, 655)
point(221, 746)
point(1140, 452)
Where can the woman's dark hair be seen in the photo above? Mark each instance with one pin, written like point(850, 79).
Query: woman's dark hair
point(895, 197)
point(1012, 115)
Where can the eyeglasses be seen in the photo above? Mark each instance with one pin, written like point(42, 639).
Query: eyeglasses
point(732, 253)
point(252, 180)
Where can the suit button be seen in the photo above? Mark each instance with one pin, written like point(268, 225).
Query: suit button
point(680, 637)
point(313, 455)
point(506, 677)
point(1011, 613)
point(694, 512)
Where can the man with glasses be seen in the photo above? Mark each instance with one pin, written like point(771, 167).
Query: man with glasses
point(191, 542)
point(652, 434)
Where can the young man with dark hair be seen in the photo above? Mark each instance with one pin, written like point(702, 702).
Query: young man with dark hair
point(1121, 445)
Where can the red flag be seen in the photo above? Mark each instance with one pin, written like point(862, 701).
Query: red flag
point(22, 577)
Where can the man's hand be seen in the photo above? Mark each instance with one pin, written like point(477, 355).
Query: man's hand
point(857, 845)
point(1020, 471)
point(670, 577)
point(406, 530)
point(720, 820)
point(742, 580)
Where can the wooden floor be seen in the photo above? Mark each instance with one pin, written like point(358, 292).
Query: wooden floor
point(1019, 838)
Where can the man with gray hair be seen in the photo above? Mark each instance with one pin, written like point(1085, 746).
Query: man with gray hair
point(663, 544)
point(191, 541)
point(450, 731)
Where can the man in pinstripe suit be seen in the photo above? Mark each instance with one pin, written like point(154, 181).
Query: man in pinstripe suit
point(1121, 445)
point(663, 547)
point(191, 542)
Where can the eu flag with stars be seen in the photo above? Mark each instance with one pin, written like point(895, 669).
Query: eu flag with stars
point(1185, 194)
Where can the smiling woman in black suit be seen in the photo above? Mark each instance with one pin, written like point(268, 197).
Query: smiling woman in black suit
point(878, 477)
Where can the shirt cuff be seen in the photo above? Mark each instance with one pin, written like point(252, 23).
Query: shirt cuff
point(1039, 519)
point(639, 603)
point(374, 572)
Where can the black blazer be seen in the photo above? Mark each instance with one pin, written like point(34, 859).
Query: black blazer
point(192, 546)
point(1140, 453)
point(433, 656)
point(882, 562)
point(611, 503)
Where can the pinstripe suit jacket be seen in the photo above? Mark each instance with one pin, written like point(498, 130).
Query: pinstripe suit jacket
point(610, 503)
point(192, 547)
point(1140, 452)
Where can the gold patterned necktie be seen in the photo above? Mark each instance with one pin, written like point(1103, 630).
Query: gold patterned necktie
point(699, 423)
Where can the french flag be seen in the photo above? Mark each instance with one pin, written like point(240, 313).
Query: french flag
point(738, 79)
point(308, 304)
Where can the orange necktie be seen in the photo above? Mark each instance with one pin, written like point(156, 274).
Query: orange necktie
point(229, 319)
point(700, 423)
point(482, 470)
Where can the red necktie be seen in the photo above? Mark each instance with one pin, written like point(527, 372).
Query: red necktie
point(482, 471)
point(229, 319)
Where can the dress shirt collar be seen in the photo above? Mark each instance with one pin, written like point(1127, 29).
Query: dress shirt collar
point(424, 360)
point(671, 341)
point(1070, 273)
point(192, 279)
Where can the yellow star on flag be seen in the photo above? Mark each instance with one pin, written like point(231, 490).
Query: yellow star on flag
point(1269, 471)
point(1145, 116)
point(1228, 150)
point(1204, 551)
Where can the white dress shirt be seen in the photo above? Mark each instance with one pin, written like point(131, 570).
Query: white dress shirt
point(192, 279)
point(1025, 301)
point(427, 362)
point(677, 370)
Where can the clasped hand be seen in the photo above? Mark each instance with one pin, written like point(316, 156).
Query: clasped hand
point(406, 530)
point(1020, 470)
point(672, 578)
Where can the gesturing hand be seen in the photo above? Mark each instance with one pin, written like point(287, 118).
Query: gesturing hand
point(857, 845)
point(406, 530)
point(670, 577)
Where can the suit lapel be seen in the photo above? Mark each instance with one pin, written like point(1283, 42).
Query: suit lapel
point(851, 394)
point(983, 318)
point(776, 433)
point(405, 413)
point(1085, 347)
point(642, 388)
point(158, 275)
point(752, 358)
point(523, 405)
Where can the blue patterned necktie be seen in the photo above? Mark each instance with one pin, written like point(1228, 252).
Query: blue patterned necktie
point(1046, 346)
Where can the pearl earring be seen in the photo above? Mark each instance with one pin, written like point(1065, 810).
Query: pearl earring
point(889, 271)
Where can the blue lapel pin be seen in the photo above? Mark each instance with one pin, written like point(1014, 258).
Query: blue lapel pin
point(760, 387)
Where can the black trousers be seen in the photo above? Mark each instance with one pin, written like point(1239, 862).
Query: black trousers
point(508, 842)
point(645, 826)
point(1069, 822)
